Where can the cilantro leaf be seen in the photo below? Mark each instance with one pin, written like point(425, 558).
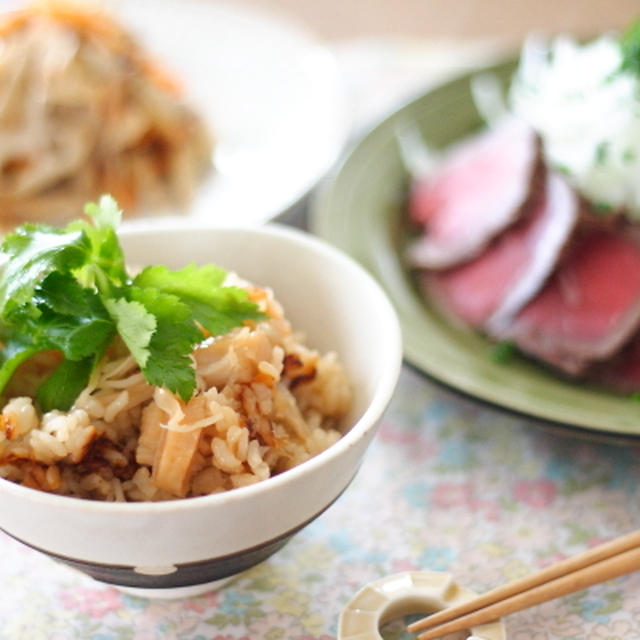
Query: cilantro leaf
point(106, 214)
point(64, 385)
point(169, 363)
point(63, 294)
point(36, 251)
point(67, 289)
point(66, 317)
point(197, 281)
point(217, 308)
point(106, 265)
point(73, 319)
point(76, 338)
point(135, 326)
point(17, 349)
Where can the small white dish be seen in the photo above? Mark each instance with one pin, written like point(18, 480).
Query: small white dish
point(403, 594)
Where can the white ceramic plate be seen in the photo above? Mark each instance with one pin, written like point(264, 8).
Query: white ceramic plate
point(270, 91)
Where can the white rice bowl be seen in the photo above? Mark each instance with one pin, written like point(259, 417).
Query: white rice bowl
point(180, 547)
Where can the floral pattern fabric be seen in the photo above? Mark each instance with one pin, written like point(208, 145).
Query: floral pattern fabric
point(447, 485)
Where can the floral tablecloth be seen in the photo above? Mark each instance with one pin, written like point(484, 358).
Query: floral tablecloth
point(447, 485)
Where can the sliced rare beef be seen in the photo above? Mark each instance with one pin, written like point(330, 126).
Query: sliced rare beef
point(489, 290)
point(589, 307)
point(481, 188)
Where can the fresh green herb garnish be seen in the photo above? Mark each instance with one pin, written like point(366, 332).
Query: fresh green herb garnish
point(630, 47)
point(67, 289)
point(601, 152)
point(502, 352)
point(602, 207)
point(562, 168)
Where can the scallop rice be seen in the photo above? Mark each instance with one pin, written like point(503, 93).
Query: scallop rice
point(264, 403)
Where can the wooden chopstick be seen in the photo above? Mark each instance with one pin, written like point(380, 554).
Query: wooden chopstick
point(604, 562)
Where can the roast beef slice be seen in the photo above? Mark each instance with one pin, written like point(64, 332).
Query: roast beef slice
point(479, 189)
point(590, 306)
point(488, 291)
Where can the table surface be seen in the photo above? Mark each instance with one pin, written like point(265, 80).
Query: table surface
point(448, 485)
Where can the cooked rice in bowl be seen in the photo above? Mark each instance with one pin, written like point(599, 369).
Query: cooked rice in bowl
point(264, 403)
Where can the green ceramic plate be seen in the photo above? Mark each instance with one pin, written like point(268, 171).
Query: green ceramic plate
point(359, 209)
